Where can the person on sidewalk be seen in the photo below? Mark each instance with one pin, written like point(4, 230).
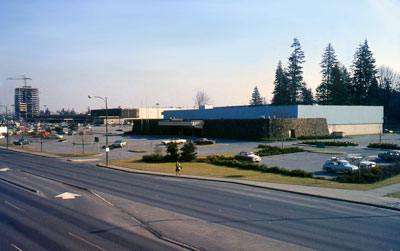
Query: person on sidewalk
point(178, 169)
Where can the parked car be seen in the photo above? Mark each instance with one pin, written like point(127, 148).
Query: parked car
point(248, 156)
point(338, 165)
point(173, 140)
point(119, 143)
point(390, 155)
point(360, 161)
point(21, 142)
point(204, 141)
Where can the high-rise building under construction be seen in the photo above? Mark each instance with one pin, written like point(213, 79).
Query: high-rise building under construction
point(26, 101)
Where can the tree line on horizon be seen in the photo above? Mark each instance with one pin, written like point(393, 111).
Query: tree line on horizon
point(363, 84)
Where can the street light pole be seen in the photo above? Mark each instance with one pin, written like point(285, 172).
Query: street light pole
point(105, 100)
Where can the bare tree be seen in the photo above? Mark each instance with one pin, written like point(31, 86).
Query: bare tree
point(84, 137)
point(202, 99)
point(388, 78)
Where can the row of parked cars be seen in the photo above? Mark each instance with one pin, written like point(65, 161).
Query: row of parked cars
point(202, 141)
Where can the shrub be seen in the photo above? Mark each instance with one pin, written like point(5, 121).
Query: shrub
point(172, 152)
point(231, 162)
point(188, 152)
point(370, 175)
point(383, 145)
point(153, 158)
point(319, 137)
point(330, 143)
point(267, 150)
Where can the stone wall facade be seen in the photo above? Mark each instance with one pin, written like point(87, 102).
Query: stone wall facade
point(292, 128)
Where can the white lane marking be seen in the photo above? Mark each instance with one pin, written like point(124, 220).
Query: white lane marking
point(14, 206)
point(4, 169)
point(88, 242)
point(67, 196)
point(14, 246)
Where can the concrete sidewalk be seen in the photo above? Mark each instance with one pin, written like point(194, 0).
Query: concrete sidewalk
point(375, 197)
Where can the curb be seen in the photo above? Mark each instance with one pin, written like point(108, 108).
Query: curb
point(46, 155)
point(124, 169)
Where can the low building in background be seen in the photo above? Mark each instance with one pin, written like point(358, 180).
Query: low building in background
point(257, 122)
point(126, 115)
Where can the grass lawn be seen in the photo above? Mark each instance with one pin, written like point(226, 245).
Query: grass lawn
point(80, 154)
point(208, 170)
point(393, 195)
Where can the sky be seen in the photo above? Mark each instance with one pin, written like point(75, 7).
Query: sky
point(139, 53)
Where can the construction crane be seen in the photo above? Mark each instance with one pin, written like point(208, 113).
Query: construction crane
point(23, 77)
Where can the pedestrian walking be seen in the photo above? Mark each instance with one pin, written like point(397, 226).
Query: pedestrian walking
point(178, 169)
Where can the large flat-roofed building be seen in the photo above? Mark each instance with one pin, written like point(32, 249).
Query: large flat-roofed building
point(283, 121)
point(26, 102)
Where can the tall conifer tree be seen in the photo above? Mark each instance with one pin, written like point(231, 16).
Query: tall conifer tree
point(364, 74)
point(256, 98)
point(295, 73)
point(327, 63)
point(281, 88)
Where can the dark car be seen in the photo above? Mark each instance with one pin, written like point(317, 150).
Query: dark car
point(22, 142)
point(390, 155)
point(204, 141)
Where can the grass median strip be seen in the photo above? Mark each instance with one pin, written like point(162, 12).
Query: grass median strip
point(393, 195)
point(77, 154)
point(209, 170)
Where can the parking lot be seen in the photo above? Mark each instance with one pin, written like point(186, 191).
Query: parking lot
point(139, 145)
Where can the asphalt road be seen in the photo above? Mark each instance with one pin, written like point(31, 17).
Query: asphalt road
point(300, 220)
point(48, 221)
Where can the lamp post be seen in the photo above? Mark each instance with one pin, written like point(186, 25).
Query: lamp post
point(157, 104)
point(105, 100)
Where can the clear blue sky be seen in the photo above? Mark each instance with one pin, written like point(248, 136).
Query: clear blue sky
point(164, 51)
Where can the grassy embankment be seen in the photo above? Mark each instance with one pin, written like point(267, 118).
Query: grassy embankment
point(209, 170)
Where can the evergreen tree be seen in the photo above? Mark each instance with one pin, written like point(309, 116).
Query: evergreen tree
point(364, 73)
point(256, 98)
point(340, 81)
point(295, 73)
point(281, 88)
point(328, 62)
point(189, 152)
point(373, 95)
point(172, 152)
point(306, 96)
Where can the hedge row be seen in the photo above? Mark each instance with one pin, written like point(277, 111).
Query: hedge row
point(319, 137)
point(370, 175)
point(383, 145)
point(267, 150)
point(330, 143)
point(231, 162)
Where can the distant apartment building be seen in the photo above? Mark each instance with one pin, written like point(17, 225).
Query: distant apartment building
point(26, 101)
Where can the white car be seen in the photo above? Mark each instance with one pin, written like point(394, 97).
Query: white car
point(338, 165)
point(360, 161)
point(249, 156)
point(119, 143)
point(173, 140)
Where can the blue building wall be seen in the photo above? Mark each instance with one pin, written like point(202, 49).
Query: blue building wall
point(335, 115)
point(234, 112)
